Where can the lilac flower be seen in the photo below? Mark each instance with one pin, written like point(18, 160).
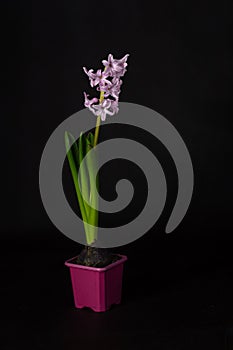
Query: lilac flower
point(115, 67)
point(112, 89)
point(90, 74)
point(98, 77)
point(104, 108)
point(88, 103)
point(114, 107)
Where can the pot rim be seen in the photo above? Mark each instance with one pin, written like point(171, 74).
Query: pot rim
point(97, 269)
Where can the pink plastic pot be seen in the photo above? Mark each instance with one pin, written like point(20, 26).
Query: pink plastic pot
point(97, 288)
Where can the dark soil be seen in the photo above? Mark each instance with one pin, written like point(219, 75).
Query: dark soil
point(96, 257)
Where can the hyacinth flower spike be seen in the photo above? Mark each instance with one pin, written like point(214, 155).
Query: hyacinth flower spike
point(108, 83)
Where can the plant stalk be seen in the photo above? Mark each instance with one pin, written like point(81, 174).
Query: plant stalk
point(98, 121)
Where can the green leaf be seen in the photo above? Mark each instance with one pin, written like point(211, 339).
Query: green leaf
point(90, 138)
point(91, 166)
point(84, 172)
point(74, 173)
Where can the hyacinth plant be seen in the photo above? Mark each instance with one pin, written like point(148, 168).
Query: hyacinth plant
point(108, 84)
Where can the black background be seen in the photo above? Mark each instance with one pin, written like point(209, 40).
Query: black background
point(180, 65)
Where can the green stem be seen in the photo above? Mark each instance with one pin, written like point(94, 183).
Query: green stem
point(91, 159)
point(93, 213)
point(98, 121)
point(97, 128)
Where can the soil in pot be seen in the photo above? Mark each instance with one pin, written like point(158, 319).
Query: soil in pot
point(95, 257)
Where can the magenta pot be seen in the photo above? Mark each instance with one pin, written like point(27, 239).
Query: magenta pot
point(96, 288)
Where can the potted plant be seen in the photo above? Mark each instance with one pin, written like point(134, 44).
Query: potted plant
point(96, 273)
